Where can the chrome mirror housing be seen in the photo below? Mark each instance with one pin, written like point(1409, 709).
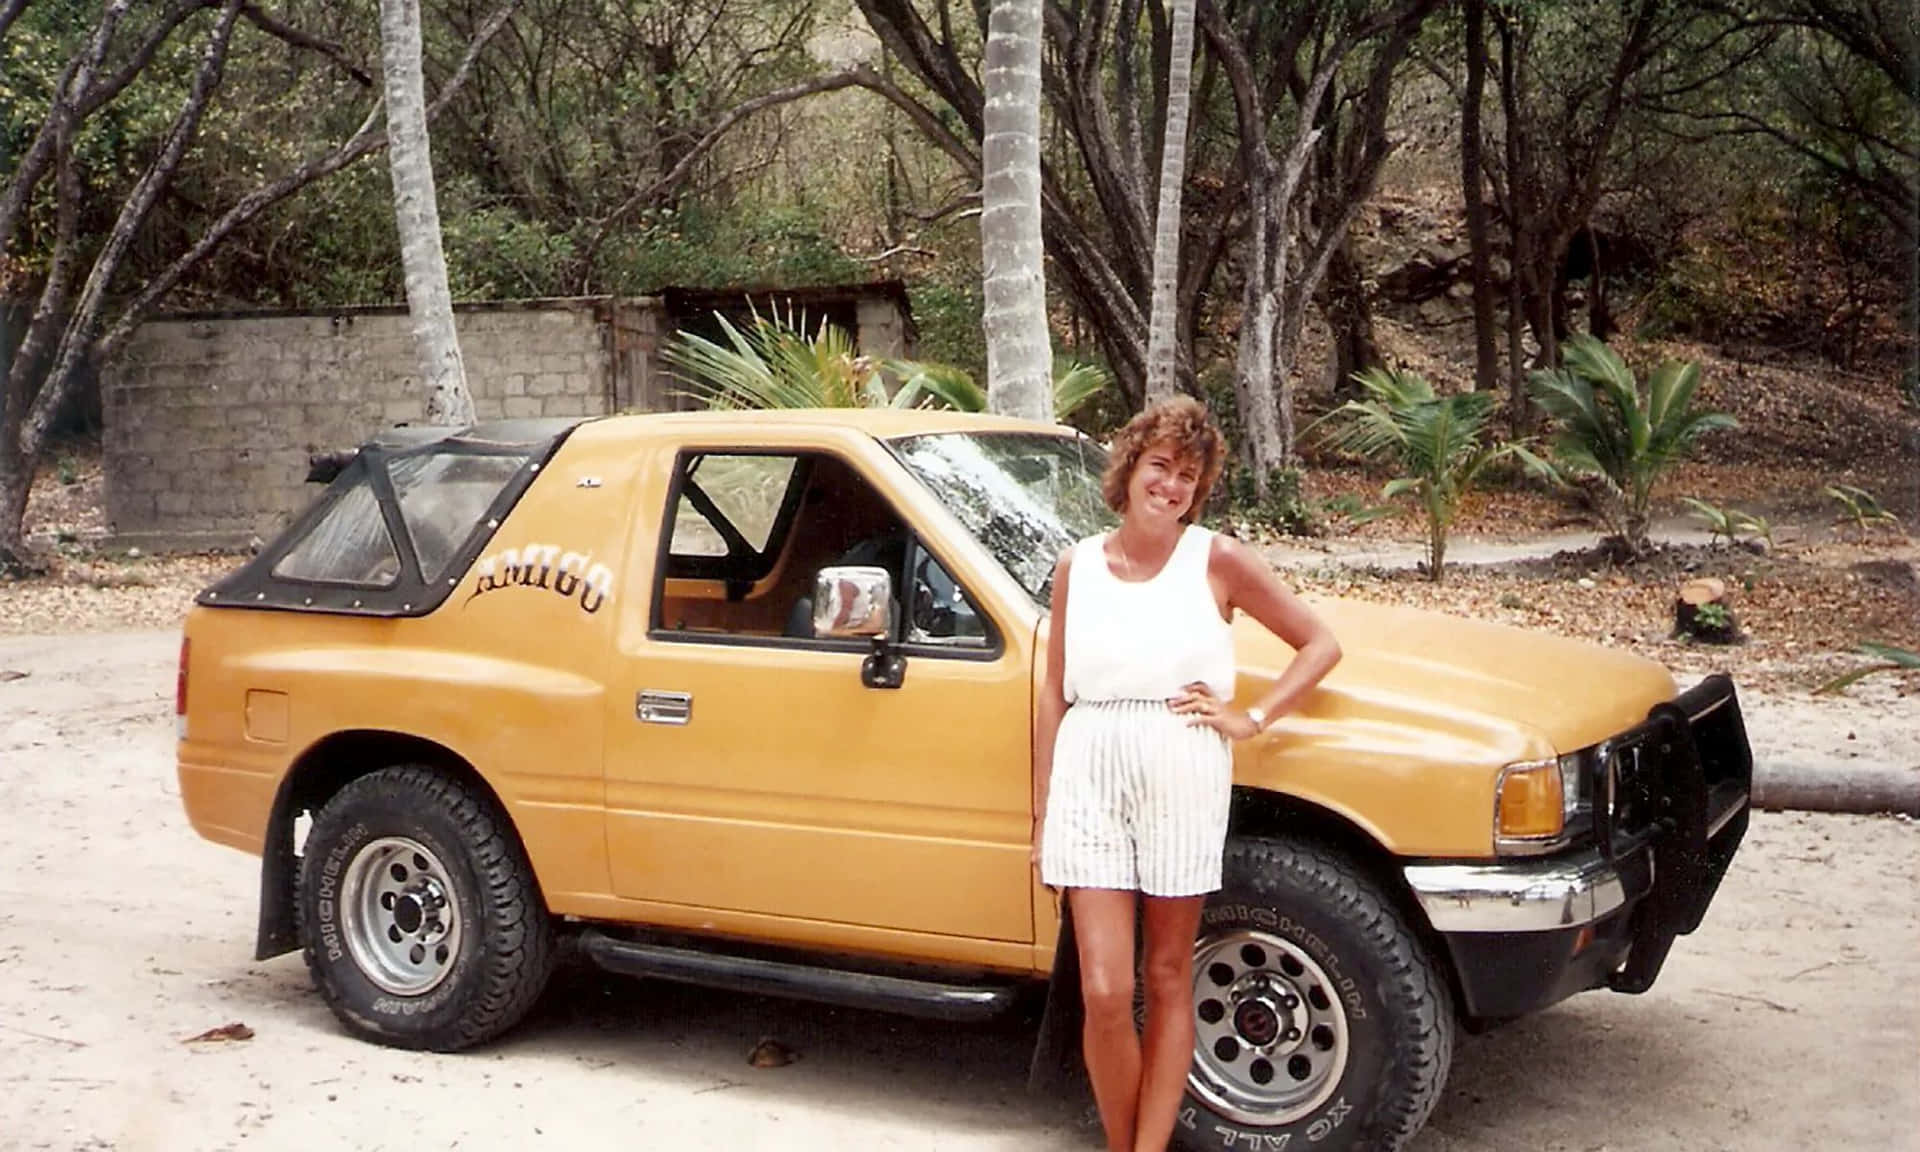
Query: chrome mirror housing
point(852, 603)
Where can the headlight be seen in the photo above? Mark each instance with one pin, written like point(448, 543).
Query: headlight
point(1542, 805)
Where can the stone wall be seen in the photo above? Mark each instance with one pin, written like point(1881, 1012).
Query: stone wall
point(210, 420)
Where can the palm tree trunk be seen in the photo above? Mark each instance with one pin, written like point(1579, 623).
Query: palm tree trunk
point(1162, 336)
point(1019, 350)
point(417, 216)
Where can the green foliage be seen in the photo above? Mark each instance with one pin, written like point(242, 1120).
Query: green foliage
point(1285, 508)
point(947, 316)
point(1892, 659)
point(1613, 428)
point(1859, 506)
point(1728, 522)
point(1435, 442)
point(697, 247)
point(1712, 618)
point(775, 364)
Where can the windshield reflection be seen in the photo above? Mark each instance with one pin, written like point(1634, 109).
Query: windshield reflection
point(1025, 496)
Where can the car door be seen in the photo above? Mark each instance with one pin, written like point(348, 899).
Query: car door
point(753, 772)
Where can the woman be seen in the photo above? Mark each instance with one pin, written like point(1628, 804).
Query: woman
point(1132, 764)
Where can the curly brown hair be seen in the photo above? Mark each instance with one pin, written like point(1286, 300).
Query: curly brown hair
point(1185, 423)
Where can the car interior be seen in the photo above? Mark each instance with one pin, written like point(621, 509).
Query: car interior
point(720, 580)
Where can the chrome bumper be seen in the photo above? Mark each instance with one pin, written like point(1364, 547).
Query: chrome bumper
point(1529, 896)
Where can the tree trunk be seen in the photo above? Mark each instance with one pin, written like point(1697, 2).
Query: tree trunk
point(1599, 316)
point(1519, 213)
point(417, 216)
point(1486, 363)
point(1019, 351)
point(16, 480)
point(1350, 317)
point(1162, 325)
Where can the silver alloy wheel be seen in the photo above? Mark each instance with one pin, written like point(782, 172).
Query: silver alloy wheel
point(399, 916)
point(1270, 1032)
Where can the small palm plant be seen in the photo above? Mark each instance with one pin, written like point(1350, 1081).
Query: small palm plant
point(1614, 430)
point(1892, 659)
point(1859, 507)
point(775, 364)
point(1436, 442)
point(1731, 523)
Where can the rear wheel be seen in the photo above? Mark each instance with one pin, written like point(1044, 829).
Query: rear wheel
point(1319, 1018)
point(421, 921)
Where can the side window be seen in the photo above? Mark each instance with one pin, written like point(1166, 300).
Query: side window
point(940, 612)
point(349, 545)
point(730, 504)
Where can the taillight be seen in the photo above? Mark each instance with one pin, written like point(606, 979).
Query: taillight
point(180, 691)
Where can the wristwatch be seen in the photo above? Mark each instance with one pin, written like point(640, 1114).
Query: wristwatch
point(1259, 718)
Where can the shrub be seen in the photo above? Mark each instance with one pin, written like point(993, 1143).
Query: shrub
point(1624, 434)
point(1436, 442)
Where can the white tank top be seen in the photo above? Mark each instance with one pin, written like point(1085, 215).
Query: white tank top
point(1146, 639)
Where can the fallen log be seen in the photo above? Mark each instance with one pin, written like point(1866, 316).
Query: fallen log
point(1866, 789)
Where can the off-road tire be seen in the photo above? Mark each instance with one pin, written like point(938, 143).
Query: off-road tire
point(505, 946)
point(1398, 1008)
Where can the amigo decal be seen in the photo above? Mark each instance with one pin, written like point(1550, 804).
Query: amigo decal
point(572, 575)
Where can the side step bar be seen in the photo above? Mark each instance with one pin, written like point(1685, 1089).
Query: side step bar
point(850, 989)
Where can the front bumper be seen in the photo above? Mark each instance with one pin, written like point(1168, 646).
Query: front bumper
point(1525, 934)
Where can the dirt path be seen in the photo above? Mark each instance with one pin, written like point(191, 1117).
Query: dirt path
point(1787, 1021)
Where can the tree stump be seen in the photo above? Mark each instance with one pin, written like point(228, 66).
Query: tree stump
point(1703, 611)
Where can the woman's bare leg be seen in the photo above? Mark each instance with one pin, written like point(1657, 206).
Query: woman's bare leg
point(1103, 925)
point(1171, 924)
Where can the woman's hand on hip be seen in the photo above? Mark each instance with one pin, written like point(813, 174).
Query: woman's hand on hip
point(1205, 710)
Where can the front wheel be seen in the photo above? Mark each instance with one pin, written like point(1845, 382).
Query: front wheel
point(1319, 1018)
point(421, 921)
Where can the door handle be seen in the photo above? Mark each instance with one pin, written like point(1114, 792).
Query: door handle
point(656, 707)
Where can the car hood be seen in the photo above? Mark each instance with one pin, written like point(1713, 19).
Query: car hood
point(1406, 736)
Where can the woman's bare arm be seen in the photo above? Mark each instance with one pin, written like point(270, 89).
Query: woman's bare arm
point(1251, 586)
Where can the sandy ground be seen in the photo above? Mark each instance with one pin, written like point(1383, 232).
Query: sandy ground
point(1787, 1021)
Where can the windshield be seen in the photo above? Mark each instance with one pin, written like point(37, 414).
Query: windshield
point(1025, 496)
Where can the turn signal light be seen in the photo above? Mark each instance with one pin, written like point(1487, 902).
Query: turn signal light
point(1532, 802)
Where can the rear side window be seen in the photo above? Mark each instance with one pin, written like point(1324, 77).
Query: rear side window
point(350, 545)
point(443, 497)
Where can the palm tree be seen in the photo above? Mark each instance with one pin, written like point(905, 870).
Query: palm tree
point(1019, 348)
point(1162, 337)
point(417, 217)
point(773, 363)
point(1624, 436)
point(1434, 442)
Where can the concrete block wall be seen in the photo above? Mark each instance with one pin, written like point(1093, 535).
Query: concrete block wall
point(210, 420)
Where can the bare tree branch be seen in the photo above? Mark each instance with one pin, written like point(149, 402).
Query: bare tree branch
point(62, 115)
point(294, 36)
point(365, 140)
point(73, 343)
point(8, 12)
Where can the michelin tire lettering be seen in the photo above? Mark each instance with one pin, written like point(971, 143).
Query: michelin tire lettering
point(570, 575)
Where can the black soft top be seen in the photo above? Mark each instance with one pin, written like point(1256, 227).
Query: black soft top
point(408, 592)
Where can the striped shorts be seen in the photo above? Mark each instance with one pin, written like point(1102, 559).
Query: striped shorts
point(1138, 801)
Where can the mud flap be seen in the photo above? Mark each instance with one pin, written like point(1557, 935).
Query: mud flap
point(1056, 1051)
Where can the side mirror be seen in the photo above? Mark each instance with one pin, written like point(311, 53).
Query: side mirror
point(851, 603)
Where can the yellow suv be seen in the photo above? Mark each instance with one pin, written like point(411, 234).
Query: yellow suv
point(746, 699)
